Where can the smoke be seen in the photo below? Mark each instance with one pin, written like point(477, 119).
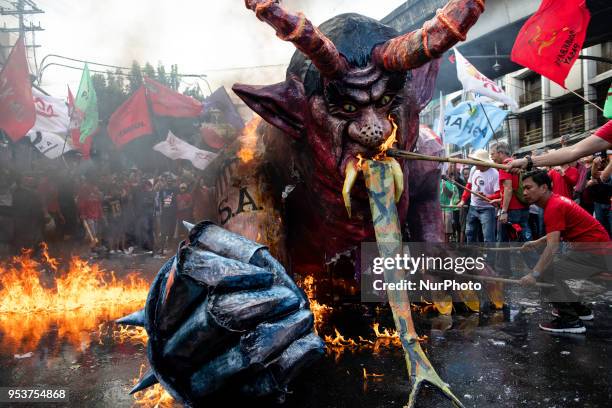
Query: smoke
point(201, 37)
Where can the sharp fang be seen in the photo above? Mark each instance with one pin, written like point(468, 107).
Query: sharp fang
point(133, 319)
point(349, 181)
point(188, 225)
point(146, 381)
point(398, 178)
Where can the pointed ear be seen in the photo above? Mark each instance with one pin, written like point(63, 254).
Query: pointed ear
point(282, 105)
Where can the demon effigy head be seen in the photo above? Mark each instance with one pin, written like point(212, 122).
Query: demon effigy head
point(352, 77)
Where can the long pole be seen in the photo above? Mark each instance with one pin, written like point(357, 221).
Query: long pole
point(467, 189)
point(584, 99)
point(417, 156)
point(488, 121)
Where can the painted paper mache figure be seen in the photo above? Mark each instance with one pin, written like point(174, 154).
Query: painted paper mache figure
point(224, 316)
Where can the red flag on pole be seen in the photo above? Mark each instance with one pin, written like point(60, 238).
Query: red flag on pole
point(131, 120)
point(550, 41)
point(76, 116)
point(17, 111)
point(167, 102)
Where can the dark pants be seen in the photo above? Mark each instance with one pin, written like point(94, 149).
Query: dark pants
point(574, 264)
point(520, 217)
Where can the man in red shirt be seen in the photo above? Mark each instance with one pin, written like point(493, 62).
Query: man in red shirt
point(512, 210)
point(564, 178)
point(588, 249)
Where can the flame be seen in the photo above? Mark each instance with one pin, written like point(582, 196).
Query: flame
point(36, 298)
point(339, 340)
point(152, 397)
point(391, 140)
point(248, 140)
point(384, 334)
point(132, 334)
point(319, 311)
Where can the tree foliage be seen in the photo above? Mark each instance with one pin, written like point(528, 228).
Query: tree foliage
point(114, 88)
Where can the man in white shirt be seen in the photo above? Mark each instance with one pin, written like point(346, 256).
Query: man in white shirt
point(481, 215)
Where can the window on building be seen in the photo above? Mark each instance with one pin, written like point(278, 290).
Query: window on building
point(532, 90)
point(568, 117)
point(530, 128)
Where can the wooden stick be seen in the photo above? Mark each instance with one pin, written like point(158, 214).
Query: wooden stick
point(417, 156)
point(93, 239)
point(584, 99)
point(487, 199)
point(505, 249)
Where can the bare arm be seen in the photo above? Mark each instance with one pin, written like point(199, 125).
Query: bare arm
point(585, 147)
point(552, 245)
point(507, 194)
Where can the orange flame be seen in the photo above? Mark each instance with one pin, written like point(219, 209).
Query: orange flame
point(339, 340)
point(152, 397)
point(35, 297)
point(248, 140)
point(319, 311)
point(391, 140)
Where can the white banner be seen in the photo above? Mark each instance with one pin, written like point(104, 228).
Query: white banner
point(51, 127)
point(472, 80)
point(176, 148)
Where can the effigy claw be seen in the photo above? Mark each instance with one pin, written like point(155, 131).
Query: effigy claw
point(421, 372)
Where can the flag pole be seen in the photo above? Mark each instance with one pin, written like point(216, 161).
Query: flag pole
point(64, 148)
point(584, 99)
point(488, 121)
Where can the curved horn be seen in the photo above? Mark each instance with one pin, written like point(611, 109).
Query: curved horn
point(437, 35)
point(300, 31)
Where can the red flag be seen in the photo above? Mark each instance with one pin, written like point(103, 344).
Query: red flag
point(550, 41)
point(75, 128)
point(131, 120)
point(166, 102)
point(17, 111)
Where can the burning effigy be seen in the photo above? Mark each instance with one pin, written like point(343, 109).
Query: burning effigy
point(224, 316)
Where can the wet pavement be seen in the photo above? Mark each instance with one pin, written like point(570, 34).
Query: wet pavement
point(495, 360)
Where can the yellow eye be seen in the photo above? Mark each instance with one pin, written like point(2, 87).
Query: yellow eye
point(349, 108)
point(385, 99)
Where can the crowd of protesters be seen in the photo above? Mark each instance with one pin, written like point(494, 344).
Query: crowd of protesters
point(484, 204)
point(114, 213)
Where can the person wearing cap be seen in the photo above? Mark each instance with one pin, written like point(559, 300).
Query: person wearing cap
point(481, 214)
point(599, 141)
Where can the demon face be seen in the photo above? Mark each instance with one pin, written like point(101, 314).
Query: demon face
point(347, 113)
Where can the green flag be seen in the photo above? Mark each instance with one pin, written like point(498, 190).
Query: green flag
point(87, 103)
point(608, 105)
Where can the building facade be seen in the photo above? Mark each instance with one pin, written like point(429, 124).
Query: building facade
point(546, 113)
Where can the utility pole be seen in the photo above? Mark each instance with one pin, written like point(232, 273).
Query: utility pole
point(21, 8)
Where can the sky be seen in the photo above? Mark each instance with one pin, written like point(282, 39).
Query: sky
point(202, 37)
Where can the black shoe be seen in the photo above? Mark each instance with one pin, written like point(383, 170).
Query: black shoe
point(563, 326)
point(584, 313)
